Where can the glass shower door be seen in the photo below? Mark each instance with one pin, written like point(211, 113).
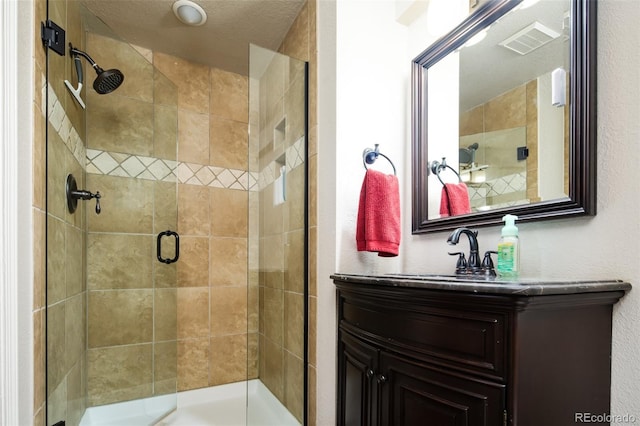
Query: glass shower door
point(111, 279)
point(278, 238)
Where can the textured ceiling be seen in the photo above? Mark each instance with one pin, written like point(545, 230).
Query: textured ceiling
point(222, 42)
point(488, 70)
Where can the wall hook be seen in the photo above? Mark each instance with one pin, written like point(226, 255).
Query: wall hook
point(74, 194)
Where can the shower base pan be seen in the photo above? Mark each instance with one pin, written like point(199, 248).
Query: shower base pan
point(218, 405)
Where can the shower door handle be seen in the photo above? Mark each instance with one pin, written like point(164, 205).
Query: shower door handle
point(159, 247)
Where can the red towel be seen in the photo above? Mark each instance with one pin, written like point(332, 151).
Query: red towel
point(378, 226)
point(457, 201)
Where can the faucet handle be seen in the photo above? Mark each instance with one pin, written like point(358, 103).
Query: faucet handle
point(461, 264)
point(487, 263)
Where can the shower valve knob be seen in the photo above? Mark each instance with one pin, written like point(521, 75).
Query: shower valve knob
point(97, 197)
point(74, 194)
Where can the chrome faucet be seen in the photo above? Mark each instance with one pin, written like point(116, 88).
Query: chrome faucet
point(473, 265)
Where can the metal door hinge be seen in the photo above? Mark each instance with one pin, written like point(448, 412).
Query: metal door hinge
point(53, 37)
point(504, 418)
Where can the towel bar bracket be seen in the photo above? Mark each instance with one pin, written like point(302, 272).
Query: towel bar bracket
point(369, 156)
point(436, 167)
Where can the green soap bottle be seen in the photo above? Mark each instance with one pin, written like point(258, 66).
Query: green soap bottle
point(509, 249)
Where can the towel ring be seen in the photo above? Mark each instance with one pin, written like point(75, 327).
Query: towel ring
point(436, 167)
point(369, 156)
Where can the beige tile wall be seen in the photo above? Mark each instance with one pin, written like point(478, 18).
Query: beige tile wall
point(301, 43)
point(218, 98)
point(515, 108)
point(280, 263)
point(132, 328)
point(212, 222)
point(59, 267)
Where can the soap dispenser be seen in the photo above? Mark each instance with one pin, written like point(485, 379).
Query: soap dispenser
point(509, 249)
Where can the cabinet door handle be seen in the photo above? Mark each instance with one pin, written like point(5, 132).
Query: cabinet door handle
point(382, 379)
point(370, 373)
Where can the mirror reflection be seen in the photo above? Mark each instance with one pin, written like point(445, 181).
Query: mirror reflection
point(508, 135)
point(512, 133)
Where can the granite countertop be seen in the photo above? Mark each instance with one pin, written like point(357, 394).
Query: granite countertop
point(521, 287)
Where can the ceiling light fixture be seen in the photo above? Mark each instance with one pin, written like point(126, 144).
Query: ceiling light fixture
point(477, 38)
point(189, 13)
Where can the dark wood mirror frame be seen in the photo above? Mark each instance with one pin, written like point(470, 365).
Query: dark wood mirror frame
point(582, 122)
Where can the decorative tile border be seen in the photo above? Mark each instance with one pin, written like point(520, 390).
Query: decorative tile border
point(61, 123)
point(516, 182)
point(126, 165)
point(150, 168)
point(507, 184)
point(157, 169)
point(294, 157)
point(216, 177)
point(503, 185)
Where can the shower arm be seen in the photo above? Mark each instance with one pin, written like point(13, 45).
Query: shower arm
point(77, 52)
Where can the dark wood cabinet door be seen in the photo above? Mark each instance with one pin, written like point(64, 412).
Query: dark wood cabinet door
point(357, 392)
point(420, 395)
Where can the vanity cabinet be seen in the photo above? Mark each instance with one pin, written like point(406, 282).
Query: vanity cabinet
point(443, 352)
point(380, 387)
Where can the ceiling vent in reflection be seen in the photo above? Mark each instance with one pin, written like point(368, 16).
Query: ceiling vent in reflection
point(530, 38)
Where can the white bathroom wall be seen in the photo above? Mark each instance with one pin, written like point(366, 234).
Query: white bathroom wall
point(370, 109)
point(373, 93)
point(443, 115)
point(550, 143)
point(361, 102)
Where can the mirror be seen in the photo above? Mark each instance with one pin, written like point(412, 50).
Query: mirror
point(508, 100)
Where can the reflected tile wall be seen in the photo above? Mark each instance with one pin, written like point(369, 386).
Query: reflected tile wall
point(532, 193)
point(509, 111)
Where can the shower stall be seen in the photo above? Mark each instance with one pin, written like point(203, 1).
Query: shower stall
point(190, 279)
